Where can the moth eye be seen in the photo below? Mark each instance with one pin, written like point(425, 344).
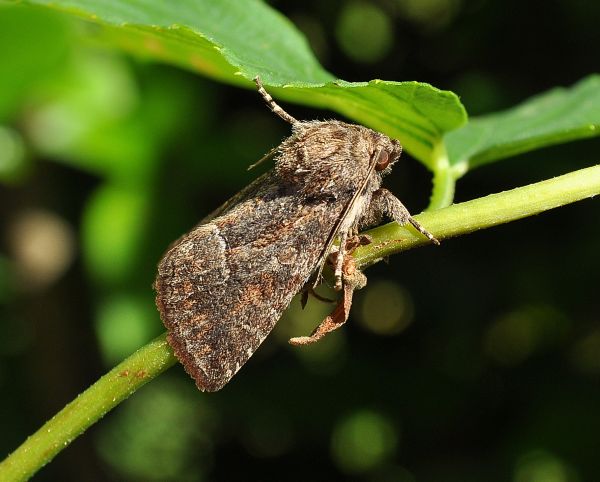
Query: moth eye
point(383, 160)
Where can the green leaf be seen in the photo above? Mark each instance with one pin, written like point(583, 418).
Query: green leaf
point(554, 117)
point(414, 112)
point(33, 46)
point(217, 37)
point(235, 40)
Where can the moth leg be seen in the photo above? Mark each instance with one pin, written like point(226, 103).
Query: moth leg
point(317, 296)
point(357, 240)
point(353, 280)
point(385, 205)
point(309, 290)
point(339, 261)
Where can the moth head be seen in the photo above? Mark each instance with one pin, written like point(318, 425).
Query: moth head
point(386, 152)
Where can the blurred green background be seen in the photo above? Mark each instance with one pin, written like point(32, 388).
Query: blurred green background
point(477, 360)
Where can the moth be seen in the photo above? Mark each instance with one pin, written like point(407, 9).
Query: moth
point(221, 288)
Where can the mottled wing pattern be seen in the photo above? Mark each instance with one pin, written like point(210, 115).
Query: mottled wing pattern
point(224, 285)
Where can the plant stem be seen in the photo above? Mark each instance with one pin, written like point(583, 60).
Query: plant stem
point(151, 360)
point(444, 179)
point(443, 189)
point(482, 213)
point(91, 405)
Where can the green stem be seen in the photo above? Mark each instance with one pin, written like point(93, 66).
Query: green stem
point(444, 179)
point(443, 189)
point(91, 405)
point(154, 358)
point(482, 213)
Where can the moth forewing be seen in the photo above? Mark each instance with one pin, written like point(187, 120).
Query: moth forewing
point(223, 287)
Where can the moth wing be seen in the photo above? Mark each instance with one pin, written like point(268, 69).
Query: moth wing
point(219, 302)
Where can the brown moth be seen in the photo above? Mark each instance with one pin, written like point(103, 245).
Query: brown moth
point(221, 288)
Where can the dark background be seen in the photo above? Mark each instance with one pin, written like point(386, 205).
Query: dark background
point(477, 360)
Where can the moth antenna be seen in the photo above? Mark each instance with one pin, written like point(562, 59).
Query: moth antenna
point(264, 158)
point(272, 104)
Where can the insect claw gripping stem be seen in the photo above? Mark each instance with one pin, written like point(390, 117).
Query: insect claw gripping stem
point(272, 104)
point(423, 231)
